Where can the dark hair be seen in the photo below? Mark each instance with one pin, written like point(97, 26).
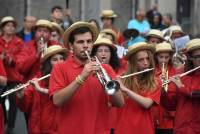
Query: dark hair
point(189, 64)
point(114, 59)
point(80, 30)
point(56, 7)
point(112, 19)
point(169, 16)
point(96, 22)
point(47, 67)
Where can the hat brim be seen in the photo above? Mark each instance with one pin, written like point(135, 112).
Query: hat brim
point(74, 26)
point(143, 47)
point(42, 25)
point(13, 21)
point(62, 50)
point(193, 48)
point(128, 33)
point(164, 50)
point(105, 44)
point(152, 35)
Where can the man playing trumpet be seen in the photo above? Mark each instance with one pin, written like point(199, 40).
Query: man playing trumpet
point(76, 90)
point(183, 95)
point(29, 59)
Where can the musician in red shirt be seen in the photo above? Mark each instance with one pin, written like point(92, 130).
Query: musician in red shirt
point(141, 92)
point(34, 100)
point(106, 52)
point(3, 82)
point(108, 17)
point(29, 59)
point(75, 88)
point(163, 119)
point(183, 94)
point(10, 47)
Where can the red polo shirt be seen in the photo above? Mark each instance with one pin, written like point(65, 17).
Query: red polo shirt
point(2, 73)
point(134, 119)
point(12, 49)
point(28, 61)
point(41, 111)
point(87, 111)
point(163, 119)
point(187, 107)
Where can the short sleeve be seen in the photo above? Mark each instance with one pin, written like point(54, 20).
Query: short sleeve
point(57, 80)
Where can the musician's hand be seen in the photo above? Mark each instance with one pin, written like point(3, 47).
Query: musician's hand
point(35, 84)
point(122, 87)
point(177, 81)
point(20, 93)
point(3, 56)
point(41, 46)
point(89, 68)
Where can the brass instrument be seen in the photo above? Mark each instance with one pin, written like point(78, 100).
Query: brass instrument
point(181, 75)
point(110, 86)
point(178, 57)
point(164, 77)
point(10, 91)
point(43, 45)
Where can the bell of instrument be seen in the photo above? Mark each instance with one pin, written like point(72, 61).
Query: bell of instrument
point(111, 87)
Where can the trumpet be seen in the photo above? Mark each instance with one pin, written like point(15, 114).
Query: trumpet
point(181, 75)
point(42, 44)
point(164, 76)
point(110, 86)
point(10, 91)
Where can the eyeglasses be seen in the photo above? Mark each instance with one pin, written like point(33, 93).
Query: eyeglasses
point(103, 50)
point(196, 57)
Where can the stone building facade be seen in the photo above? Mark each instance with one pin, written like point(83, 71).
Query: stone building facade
point(87, 9)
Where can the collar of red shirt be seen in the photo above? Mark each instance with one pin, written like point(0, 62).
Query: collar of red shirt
point(75, 63)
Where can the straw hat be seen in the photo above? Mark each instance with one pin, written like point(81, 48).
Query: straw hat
point(193, 45)
point(43, 23)
point(155, 33)
point(50, 51)
point(80, 24)
point(104, 41)
point(138, 47)
point(109, 31)
point(57, 27)
point(163, 47)
point(176, 29)
point(108, 14)
point(8, 19)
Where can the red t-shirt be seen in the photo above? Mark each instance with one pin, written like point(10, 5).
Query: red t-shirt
point(2, 73)
point(187, 107)
point(42, 113)
point(134, 119)
point(12, 50)
point(163, 119)
point(87, 111)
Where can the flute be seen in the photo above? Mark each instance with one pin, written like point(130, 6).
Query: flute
point(181, 75)
point(10, 91)
point(133, 74)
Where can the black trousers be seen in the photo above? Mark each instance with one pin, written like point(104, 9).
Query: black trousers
point(12, 112)
point(164, 131)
